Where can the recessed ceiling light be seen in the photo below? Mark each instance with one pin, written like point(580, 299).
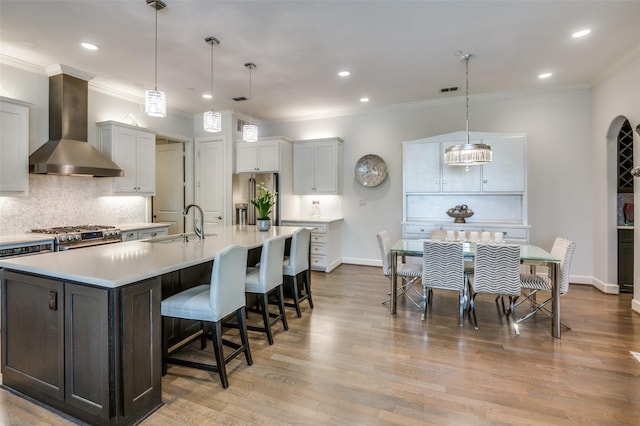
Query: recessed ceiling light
point(89, 46)
point(545, 75)
point(580, 33)
point(207, 96)
point(364, 99)
point(344, 73)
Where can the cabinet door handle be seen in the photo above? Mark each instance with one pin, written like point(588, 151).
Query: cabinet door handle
point(153, 234)
point(53, 300)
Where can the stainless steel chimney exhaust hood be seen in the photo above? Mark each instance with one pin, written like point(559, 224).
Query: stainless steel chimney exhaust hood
point(67, 152)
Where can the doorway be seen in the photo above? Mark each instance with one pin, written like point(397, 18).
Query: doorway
point(169, 201)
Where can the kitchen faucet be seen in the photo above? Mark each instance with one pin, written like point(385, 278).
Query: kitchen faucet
point(199, 231)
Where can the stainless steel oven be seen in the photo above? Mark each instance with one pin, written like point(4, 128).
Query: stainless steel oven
point(73, 237)
point(25, 249)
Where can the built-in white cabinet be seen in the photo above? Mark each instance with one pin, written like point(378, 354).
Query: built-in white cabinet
point(134, 150)
point(258, 157)
point(496, 191)
point(326, 243)
point(14, 147)
point(317, 167)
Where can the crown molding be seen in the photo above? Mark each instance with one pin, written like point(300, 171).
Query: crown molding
point(629, 57)
point(23, 65)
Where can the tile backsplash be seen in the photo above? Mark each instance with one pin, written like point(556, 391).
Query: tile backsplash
point(67, 200)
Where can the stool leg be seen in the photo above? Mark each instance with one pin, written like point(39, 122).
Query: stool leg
point(296, 295)
point(265, 317)
point(164, 346)
point(242, 326)
point(216, 334)
point(307, 286)
point(280, 296)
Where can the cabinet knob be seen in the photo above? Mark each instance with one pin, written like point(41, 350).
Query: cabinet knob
point(153, 234)
point(484, 181)
point(437, 180)
point(444, 182)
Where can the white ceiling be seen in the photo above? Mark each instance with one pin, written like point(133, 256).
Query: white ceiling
point(398, 51)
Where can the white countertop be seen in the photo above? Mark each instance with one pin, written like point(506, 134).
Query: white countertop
point(115, 265)
point(314, 220)
point(17, 239)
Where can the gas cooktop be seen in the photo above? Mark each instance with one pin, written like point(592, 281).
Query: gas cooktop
point(67, 237)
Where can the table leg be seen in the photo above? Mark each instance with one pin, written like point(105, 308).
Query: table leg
point(555, 303)
point(394, 282)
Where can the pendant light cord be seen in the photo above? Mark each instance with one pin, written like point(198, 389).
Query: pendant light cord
point(250, 96)
point(212, 43)
point(466, 59)
point(156, 70)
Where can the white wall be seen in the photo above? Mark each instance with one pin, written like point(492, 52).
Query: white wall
point(558, 129)
point(615, 97)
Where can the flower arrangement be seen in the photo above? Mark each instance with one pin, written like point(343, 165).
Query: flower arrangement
point(264, 201)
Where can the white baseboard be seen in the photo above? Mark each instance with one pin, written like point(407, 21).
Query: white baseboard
point(635, 306)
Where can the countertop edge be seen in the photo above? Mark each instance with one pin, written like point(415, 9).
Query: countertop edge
point(310, 220)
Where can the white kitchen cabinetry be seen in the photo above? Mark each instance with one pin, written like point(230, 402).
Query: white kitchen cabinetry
point(326, 243)
point(134, 150)
point(496, 191)
point(144, 234)
point(317, 167)
point(14, 147)
point(258, 157)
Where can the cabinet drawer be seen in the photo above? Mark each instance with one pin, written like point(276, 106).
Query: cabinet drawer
point(318, 249)
point(318, 261)
point(421, 229)
point(152, 233)
point(510, 233)
point(319, 228)
point(318, 238)
point(130, 236)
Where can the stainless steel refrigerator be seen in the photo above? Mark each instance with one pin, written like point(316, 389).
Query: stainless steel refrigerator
point(244, 190)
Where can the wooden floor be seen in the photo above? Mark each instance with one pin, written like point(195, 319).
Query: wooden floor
point(348, 362)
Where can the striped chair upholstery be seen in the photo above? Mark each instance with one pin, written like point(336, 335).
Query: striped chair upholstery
point(443, 268)
point(563, 249)
point(496, 271)
point(409, 272)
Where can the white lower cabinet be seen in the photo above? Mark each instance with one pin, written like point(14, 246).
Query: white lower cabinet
point(144, 234)
point(326, 243)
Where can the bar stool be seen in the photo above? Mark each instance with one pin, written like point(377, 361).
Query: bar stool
point(295, 266)
point(214, 303)
point(265, 280)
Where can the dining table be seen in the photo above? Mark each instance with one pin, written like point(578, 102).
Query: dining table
point(529, 255)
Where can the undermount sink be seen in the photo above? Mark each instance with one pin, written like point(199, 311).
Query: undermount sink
point(188, 237)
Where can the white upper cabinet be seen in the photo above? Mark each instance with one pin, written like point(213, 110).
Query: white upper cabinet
point(506, 173)
point(134, 150)
point(258, 157)
point(317, 166)
point(14, 147)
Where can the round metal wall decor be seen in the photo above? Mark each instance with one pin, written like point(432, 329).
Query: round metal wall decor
point(370, 170)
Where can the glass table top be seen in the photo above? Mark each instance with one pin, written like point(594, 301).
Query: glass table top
point(414, 247)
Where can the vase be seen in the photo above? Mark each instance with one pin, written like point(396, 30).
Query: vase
point(263, 224)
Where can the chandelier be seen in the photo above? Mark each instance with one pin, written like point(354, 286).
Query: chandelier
point(468, 154)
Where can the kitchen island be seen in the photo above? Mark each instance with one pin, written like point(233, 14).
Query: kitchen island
point(82, 328)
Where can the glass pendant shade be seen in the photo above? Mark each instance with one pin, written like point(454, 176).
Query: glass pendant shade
point(212, 121)
point(468, 155)
point(250, 133)
point(155, 103)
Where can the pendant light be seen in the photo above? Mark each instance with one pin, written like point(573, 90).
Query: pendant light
point(211, 120)
point(250, 131)
point(468, 154)
point(155, 102)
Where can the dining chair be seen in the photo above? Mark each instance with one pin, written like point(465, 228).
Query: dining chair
point(563, 249)
point(295, 267)
point(496, 271)
point(410, 273)
point(266, 280)
point(213, 303)
point(443, 268)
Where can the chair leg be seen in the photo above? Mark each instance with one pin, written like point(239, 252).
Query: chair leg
point(242, 327)
point(307, 286)
point(473, 310)
point(428, 292)
point(216, 335)
point(296, 295)
point(462, 306)
point(203, 336)
point(264, 307)
point(280, 296)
